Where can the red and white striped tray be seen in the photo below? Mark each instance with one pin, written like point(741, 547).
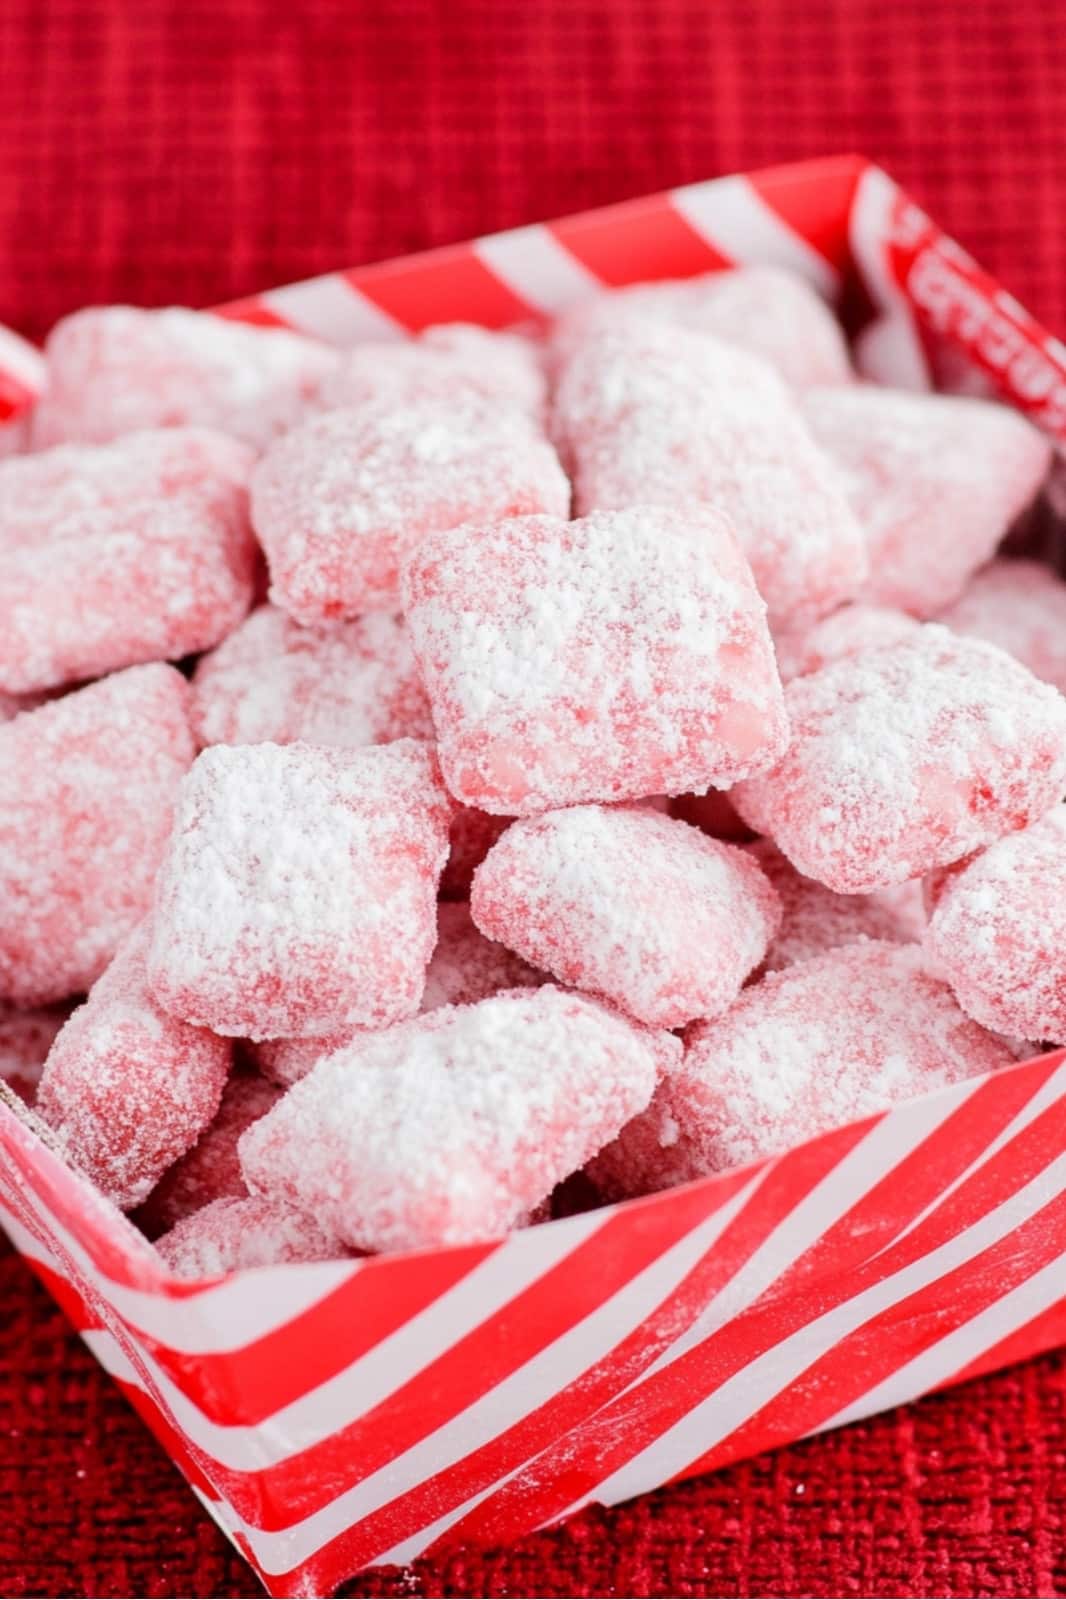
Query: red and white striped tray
point(338, 1415)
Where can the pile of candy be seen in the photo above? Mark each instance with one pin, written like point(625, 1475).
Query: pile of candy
point(442, 769)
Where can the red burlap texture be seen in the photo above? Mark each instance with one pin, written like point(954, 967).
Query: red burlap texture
point(196, 150)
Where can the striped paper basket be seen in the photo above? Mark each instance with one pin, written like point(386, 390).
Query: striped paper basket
point(336, 1415)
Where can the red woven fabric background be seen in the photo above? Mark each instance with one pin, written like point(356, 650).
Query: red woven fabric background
point(196, 150)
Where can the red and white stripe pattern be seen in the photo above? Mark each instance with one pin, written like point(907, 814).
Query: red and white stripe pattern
point(338, 1415)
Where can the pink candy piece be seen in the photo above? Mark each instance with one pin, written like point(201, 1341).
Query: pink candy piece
point(126, 1088)
point(816, 920)
point(649, 413)
point(607, 659)
point(808, 1049)
point(661, 919)
point(451, 1128)
point(998, 932)
point(934, 480)
point(114, 369)
point(210, 1170)
point(467, 967)
point(769, 312)
point(453, 360)
point(340, 501)
point(350, 684)
point(907, 758)
point(298, 893)
point(235, 1233)
point(87, 791)
point(25, 1040)
point(1021, 607)
point(848, 632)
point(471, 836)
point(121, 553)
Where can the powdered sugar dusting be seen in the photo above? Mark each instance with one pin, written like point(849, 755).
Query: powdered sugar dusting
point(1021, 607)
point(848, 632)
point(816, 920)
point(234, 1233)
point(455, 359)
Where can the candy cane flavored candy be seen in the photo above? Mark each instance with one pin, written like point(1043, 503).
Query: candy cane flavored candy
point(997, 932)
point(907, 758)
point(237, 1232)
point(128, 1089)
point(298, 893)
point(822, 1043)
point(339, 502)
point(935, 481)
point(453, 1127)
point(622, 655)
point(1021, 607)
point(453, 359)
point(664, 921)
point(848, 632)
point(87, 791)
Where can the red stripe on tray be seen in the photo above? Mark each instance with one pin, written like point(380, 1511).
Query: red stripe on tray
point(252, 310)
point(452, 285)
point(1045, 1331)
point(817, 211)
point(646, 239)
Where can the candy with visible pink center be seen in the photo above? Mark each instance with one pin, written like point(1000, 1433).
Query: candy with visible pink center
point(339, 502)
point(935, 481)
point(1021, 607)
point(663, 920)
point(450, 361)
point(650, 413)
point(848, 632)
point(810, 1048)
point(907, 758)
point(235, 1233)
point(815, 919)
point(128, 1089)
point(998, 932)
point(114, 369)
point(451, 1128)
point(116, 554)
point(298, 893)
point(349, 684)
point(769, 312)
point(87, 791)
point(467, 966)
point(471, 836)
point(25, 1040)
point(619, 656)
point(210, 1170)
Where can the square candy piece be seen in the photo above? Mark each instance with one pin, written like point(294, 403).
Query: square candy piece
point(339, 502)
point(908, 758)
point(662, 920)
point(453, 359)
point(622, 655)
point(450, 1129)
point(114, 369)
point(112, 555)
point(1021, 606)
point(238, 1232)
point(349, 684)
point(298, 893)
point(649, 413)
point(934, 480)
point(87, 791)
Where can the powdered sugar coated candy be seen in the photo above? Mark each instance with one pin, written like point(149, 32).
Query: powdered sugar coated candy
point(769, 312)
point(618, 656)
point(1021, 607)
point(935, 481)
point(349, 684)
point(847, 632)
point(87, 791)
point(467, 967)
point(907, 758)
point(998, 932)
point(210, 1170)
point(471, 836)
point(235, 1233)
point(340, 501)
point(116, 554)
point(298, 893)
point(25, 1040)
point(286, 1061)
point(126, 1088)
point(452, 1127)
point(115, 369)
point(815, 919)
point(451, 360)
point(649, 413)
point(818, 1045)
point(661, 919)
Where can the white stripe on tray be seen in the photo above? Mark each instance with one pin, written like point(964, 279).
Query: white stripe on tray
point(737, 222)
point(537, 268)
point(332, 308)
